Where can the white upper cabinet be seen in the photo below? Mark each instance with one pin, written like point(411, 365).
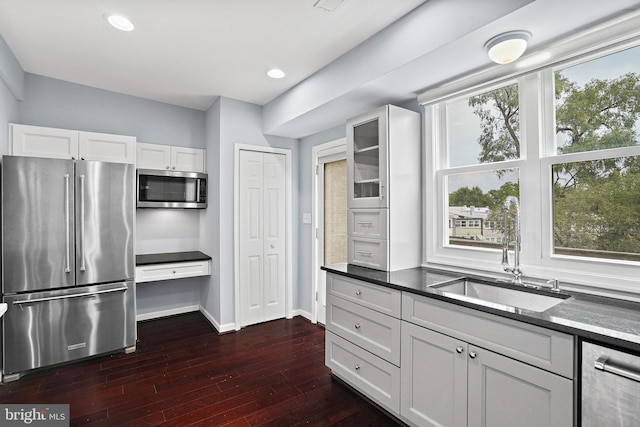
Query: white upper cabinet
point(107, 148)
point(156, 156)
point(384, 189)
point(37, 141)
point(367, 160)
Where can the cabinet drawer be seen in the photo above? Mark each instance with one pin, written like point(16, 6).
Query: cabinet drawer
point(370, 253)
point(544, 348)
point(371, 330)
point(372, 376)
point(368, 223)
point(150, 273)
point(379, 298)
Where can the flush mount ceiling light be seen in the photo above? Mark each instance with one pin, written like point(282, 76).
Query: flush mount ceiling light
point(275, 73)
point(120, 22)
point(507, 47)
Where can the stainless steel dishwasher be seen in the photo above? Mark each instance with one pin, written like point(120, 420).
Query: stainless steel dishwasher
point(610, 387)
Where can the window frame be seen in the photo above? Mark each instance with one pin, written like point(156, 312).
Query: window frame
point(538, 156)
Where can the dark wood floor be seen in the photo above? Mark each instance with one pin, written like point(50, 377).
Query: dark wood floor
point(184, 373)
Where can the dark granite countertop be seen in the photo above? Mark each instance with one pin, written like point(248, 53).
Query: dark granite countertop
point(171, 257)
point(607, 320)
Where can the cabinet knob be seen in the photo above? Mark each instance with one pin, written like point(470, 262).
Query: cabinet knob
point(459, 350)
point(357, 325)
point(472, 354)
point(173, 167)
point(174, 272)
point(358, 292)
point(167, 167)
point(357, 367)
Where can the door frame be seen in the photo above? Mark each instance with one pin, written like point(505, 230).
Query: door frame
point(236, 227)
point(334, 148)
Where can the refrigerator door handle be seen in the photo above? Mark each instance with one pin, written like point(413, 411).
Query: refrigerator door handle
point(67, 221)
point(84, 294)
point(82, 263)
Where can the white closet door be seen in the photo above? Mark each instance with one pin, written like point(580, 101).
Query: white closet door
point(262, 236)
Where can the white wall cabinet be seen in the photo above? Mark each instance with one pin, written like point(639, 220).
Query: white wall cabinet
point(384, 190)
point(449, 381)
point(156, 156)
point(37, 141)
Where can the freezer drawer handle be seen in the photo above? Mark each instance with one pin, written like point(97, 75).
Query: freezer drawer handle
point(606, 365)
point(82, 265)
point(84, 294)
point(67, 220)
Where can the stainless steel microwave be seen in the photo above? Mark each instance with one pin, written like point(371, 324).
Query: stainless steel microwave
point(171, 189)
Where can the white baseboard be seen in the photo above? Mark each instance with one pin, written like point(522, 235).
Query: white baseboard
point(165, 313)
point(302, 313)
point(220, 328)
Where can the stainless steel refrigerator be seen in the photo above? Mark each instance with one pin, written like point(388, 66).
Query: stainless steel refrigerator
point(68, 262)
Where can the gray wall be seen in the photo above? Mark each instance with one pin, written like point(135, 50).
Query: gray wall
point(11, 90)
point(231, 122)
point(305, 183)
point(56, 103)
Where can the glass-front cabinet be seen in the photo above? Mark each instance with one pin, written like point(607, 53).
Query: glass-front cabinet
point(367, 145)
point(383, 157)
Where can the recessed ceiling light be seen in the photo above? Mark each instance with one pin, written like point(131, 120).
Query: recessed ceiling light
point(120, 22)
point(275, 73)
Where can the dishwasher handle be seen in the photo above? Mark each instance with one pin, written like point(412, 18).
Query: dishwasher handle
point(604, 364)
point(83, 294)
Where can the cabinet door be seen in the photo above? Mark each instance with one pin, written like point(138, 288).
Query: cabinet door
point(107, 148)
point(187, 159)
point(153, 156)
point(36, 141)
point(367, 160)
point(506, 393)
point(433, 378)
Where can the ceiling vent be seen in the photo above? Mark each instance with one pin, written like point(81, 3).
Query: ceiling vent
point(328, 5)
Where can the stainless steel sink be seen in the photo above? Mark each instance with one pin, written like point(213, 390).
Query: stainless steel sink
point(501, 295)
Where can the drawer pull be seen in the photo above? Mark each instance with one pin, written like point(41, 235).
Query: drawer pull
point(459, 350)
point(357, 325)
point(365, 223)
point(357, 367)
point(472, 354)
point(365, 253)
point(358, 292)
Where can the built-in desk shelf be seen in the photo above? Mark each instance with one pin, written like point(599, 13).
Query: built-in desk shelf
point(174, 265)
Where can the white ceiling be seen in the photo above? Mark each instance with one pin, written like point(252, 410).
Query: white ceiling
point(189, 52)
point(365, 54)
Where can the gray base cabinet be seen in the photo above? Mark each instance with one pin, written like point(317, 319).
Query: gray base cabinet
point(432, 363)
point(448, 382)
point(447, 379)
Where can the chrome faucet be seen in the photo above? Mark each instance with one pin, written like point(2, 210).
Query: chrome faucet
point(516, 270)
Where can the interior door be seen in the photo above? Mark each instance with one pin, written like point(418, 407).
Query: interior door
point(333, 236)
point(104, 222)
point(262, 236)
point(37, 224)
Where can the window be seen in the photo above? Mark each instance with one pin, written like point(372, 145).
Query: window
point(595, 199)
point(482, 135)
point(565, 140)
